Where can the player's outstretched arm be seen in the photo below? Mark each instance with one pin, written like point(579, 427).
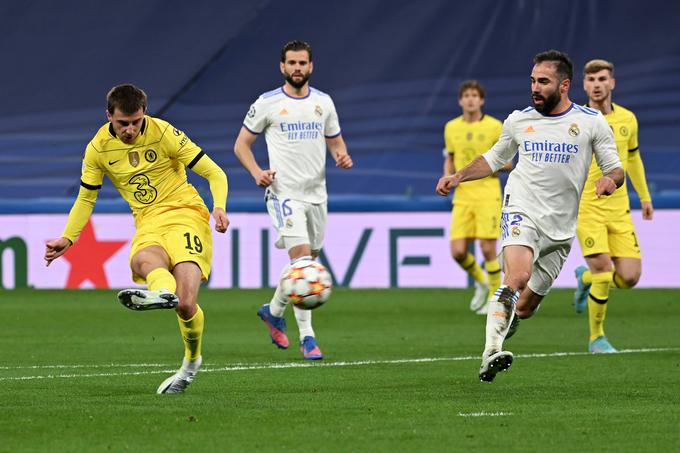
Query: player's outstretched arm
point(338, 150)
point(219, 188)
point(243, 148)
point(77, 218)
point(477, 169)
point(636, 173)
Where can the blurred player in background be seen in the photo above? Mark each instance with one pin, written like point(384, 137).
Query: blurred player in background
point(476, 204)
point(605, 229)
point(145, 159)
point(299, 123)
point(556, 140)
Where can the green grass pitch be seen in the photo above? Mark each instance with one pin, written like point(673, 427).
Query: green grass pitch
point(79, 373)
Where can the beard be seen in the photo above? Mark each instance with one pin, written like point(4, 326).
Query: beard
point(297, 83)
point(549, 103)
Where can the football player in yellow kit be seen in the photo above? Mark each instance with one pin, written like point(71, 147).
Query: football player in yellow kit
point(605, 229)
point(145, 159)
point(476, 204)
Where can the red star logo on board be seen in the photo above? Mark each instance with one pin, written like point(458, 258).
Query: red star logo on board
point(87, 257)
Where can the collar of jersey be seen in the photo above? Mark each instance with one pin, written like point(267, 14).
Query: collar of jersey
point(297, 99)
point(571, 106)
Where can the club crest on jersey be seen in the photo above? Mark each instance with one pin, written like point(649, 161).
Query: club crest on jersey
point(133, 157)
point(318, 110)
point(574, 130)
point(515, 231)
point(176, 131)
point(623, 130)
point(469, 136)
point(150, 155)
point(289, 223)
point(481, 137)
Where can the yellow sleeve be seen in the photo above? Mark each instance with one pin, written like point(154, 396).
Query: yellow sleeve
point(636, 173)
point(80, 213)
point(90, 183)
point(448, 145)
point(206, 167)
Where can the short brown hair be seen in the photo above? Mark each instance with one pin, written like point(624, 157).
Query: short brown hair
point(127, 98)
point(295, 46)
point(598, 65)
point(471, 85)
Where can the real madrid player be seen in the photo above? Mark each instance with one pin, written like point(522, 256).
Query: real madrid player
point(556, 140)
point(145, 159)
point(605, 229)
point(476, 204)
point(299, 123)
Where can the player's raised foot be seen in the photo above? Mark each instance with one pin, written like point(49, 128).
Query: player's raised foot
point(310, 350)
point(494, 364)
point(514, 325)
point(601, 345)
point(581, 294)
point(480, 297)
point(179, 381)
point(276, 326)
point(146, 299)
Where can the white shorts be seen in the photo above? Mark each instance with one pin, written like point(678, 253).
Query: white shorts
point(549, 254)
point(297, 222)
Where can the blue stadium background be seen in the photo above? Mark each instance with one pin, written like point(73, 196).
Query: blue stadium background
point(393, 68)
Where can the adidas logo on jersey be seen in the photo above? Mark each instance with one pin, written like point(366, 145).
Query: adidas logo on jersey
point(283, 112)
point(529, 129)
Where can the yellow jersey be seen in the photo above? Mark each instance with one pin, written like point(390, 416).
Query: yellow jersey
point(625, 127)
point(465, 142)
point(147, 172)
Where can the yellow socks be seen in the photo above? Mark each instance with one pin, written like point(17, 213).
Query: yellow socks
point(471, 267)
point(587, 278)
point(161, 278)
point(192, 334)
point(597, 303)
point(493, 270)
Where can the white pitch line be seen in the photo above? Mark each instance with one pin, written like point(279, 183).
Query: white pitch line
point(273, 366)
point(485, 414)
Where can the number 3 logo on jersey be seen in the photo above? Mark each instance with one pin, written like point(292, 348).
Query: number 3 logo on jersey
point(145, 193)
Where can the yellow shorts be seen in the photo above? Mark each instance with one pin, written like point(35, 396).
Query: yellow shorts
point(183, 232)
point(602, 231)
point(479, 221)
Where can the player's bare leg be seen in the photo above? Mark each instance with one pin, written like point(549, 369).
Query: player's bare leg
point(152, 264)
point(627, 271)
point(518, 262)
point(191, 322)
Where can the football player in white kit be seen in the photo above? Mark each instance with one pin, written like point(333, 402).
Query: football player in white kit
point(299, 123)
point(556, 141)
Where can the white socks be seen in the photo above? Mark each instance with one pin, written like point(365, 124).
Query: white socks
point(304, 322)
point(498, 319)
point(278, 304)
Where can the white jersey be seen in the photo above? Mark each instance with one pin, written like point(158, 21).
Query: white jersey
point(296, 130)
point(555, 153)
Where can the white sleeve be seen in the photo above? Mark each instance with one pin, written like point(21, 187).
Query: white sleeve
point(505, 148)
point(604, 146)
point(256, 119)
point(332, 125)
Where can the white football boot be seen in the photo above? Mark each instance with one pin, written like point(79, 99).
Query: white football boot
point(147, 299)
point(480, 297)
point(179, 381)
point(493, 364)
